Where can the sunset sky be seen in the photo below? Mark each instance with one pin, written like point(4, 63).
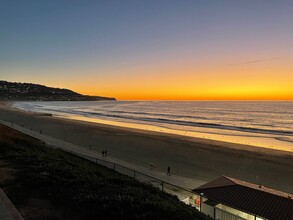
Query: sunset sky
point(152, 49)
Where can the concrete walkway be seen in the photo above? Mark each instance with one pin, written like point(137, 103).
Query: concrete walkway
point(180, 181)
point(7, 209)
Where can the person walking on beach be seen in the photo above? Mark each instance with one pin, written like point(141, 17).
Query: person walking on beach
point(169, 171)
point(105, 153)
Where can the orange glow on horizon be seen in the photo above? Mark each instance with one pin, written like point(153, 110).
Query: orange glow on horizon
point(208, 94)
point(236, 83)
point(264, 81)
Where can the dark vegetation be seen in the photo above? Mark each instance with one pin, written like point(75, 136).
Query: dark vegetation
point(51, 184)
point(34, 92)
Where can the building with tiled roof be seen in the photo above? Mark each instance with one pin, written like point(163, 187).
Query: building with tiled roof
point(229, 198)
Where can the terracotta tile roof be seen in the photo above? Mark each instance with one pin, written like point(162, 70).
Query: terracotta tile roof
point(248, 197)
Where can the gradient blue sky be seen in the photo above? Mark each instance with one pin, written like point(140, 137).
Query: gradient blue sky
point(144, 49)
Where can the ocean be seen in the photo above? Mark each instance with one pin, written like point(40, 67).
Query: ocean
point(266, 124)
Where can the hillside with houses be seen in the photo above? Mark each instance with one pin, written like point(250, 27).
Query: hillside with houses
point(34, 92)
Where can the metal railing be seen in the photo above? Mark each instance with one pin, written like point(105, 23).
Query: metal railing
point(183, 194)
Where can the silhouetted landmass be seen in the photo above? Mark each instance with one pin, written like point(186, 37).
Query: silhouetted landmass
point(34, 92)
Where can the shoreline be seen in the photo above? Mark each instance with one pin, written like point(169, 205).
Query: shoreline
point(174, 136)
point(247, 140)
point(140, 128)
point(198, 158)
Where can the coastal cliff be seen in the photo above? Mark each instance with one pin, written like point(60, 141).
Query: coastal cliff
point(35, 92)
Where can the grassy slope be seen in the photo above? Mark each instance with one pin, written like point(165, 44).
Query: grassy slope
point(77, 189)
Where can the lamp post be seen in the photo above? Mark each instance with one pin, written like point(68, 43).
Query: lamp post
point(200, 201)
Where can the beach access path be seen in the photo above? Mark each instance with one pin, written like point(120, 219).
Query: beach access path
point(176, 180)
point(7, 209)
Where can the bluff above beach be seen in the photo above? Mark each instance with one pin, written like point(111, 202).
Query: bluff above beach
point(35, 92)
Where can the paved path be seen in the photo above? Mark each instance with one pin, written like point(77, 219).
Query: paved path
point(7, 209)
point(67, 146)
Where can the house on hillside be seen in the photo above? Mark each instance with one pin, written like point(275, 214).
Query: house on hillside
point(231, 199)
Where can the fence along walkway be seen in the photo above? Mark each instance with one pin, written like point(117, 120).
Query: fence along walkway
point(174, 184)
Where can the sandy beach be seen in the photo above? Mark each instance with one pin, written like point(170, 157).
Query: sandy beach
point(190, 157)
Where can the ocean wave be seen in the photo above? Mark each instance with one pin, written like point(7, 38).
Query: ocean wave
point(159, 115)
point(196, 124)
point(285, 139)
point(247, 122)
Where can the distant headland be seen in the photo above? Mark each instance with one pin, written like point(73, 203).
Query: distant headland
point(14, 91)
